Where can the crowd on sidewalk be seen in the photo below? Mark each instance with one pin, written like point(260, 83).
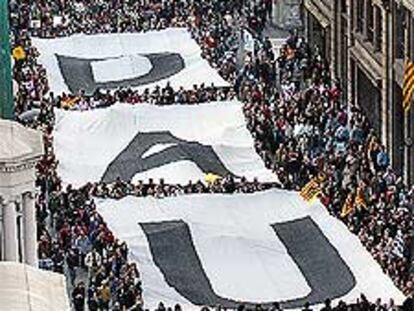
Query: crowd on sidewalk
point(73, 238)
point(301, 129)
point(306, 129)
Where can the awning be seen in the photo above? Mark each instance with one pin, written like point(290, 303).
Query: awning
point(24, 288)
point(316, 11)
point(409, 4)
point(366, 62)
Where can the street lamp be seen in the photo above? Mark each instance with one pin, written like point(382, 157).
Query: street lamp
point(6, 91)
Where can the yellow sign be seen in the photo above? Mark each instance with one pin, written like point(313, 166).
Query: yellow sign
point(19, 53)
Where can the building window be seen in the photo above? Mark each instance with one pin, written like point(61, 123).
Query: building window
point(369, 99)
point(360, 16)
point(399, 43)
point(378, 29)
point(343, 6)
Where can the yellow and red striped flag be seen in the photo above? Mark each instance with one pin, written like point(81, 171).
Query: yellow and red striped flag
point(348, 206)
point(360, 201)
point(408, 85)
point(311, 190)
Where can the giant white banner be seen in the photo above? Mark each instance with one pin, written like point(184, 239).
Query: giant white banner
point(252, 248)
point(178, 143)
point(138, 60)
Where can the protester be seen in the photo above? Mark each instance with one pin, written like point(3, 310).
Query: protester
point(78, 297)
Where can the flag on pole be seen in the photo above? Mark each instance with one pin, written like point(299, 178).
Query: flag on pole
point(348, 207)
point(360, 202)
point(408, 85)
point(70, 102)
point(312, 189)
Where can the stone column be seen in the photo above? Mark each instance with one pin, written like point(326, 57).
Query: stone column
point(30, 230)
point(10, 230)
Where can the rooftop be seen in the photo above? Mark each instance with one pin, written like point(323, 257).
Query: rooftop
point(18, 143)
point(23, 288)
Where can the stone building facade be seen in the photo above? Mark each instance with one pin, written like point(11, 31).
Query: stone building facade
point(367, 43)
point(20, 150)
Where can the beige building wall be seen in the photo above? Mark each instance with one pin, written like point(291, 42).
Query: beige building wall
point(287, 14)
point(367, 42)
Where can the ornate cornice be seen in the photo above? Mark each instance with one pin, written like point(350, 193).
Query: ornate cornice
point(409, 4)
point(30, 194)
point(5, 201)
point(10, 168)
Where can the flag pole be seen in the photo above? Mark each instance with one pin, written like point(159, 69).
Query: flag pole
point(407, 162)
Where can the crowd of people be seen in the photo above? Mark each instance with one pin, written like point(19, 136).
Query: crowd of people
point(228, 184)
point(361, 304)
point(293, 109)
point(158, 96)
point(74, 239)
point(306, 129)
point(29, 19)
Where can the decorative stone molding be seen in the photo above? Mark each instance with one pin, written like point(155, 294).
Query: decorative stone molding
point(20, 151)
point(409, 4)
point(31, 194)
point(18, 167)
point(17, 199)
